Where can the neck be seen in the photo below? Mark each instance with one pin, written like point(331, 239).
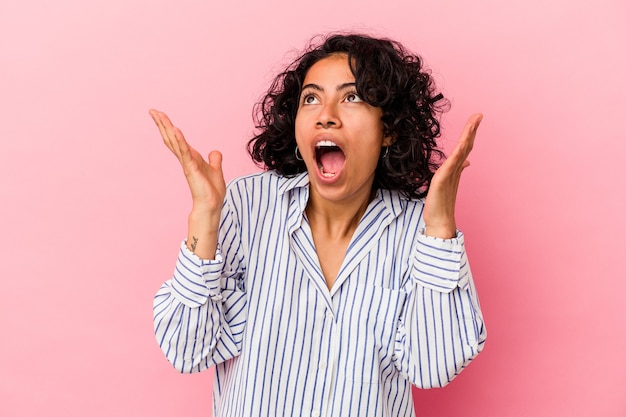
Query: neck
point(336, 219)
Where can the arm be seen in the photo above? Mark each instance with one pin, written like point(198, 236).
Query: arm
point(206, 183)
point(199, 314)
point(441, 328)
point(441, 199)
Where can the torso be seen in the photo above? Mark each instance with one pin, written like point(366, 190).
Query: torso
point(285, 302)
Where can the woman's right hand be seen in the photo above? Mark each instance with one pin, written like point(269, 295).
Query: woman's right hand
point(205, 179)
point(206, 183)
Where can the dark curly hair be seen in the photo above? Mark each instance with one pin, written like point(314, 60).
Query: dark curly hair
point(387, 76)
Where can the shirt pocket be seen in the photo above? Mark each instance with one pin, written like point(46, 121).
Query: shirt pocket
point(372, 329)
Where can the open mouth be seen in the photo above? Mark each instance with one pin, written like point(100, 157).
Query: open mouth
point(330, 158)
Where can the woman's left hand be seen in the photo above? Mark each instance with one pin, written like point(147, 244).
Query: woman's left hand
point(441, 199)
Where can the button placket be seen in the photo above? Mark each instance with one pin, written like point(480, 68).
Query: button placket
point(327, 360)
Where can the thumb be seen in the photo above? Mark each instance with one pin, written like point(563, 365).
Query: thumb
point(215, 160)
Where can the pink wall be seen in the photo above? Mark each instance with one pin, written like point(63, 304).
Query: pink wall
point(93, 206)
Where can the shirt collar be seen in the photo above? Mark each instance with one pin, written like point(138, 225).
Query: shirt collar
point(393, 200)
point(298, 181)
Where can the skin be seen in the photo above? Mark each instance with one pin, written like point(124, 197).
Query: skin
point(328, 107)
point(206, 183)
point(441, 199)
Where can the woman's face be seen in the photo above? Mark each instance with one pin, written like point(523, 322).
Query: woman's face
point(339, 135)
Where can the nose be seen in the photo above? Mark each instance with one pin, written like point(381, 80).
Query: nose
point(328, 116)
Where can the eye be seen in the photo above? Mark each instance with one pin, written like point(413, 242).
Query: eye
point(353, 98)
point(309, 99)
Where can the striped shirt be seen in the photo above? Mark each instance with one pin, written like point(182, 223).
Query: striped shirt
point(403, 309)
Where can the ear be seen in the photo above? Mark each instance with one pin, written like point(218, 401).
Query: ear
point(388, 140)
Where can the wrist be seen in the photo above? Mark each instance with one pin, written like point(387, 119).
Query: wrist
point(203, 226)
point(203, 222)
point(202, 208)
point(441, 232)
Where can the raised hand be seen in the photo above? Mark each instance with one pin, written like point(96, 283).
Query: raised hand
point(206, 183)
point(441, 199)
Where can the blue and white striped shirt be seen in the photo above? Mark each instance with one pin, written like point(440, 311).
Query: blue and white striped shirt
point(403, 309)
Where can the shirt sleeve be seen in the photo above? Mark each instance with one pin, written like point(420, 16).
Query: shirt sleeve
point(441, 328)
point(199, 314)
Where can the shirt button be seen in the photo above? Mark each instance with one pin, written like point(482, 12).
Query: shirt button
point(322, 365)
point(329, 315)
point(315, 413)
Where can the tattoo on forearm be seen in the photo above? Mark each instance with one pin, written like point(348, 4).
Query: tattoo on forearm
point(194, 243)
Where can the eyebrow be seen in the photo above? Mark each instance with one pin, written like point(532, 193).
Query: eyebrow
point(318, 88)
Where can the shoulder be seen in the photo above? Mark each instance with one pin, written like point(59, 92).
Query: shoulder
point(263, 179)
point(264, 185)
point(399, 203)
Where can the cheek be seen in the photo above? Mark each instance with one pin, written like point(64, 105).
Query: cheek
point(298, 128)
point(298, 137)
point(300, 123)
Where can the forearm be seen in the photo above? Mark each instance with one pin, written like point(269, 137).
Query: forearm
point(189, 320)
point(442, 231)
point(442, 333)
point(202, 236)
point(180, 330)
point(441, 329)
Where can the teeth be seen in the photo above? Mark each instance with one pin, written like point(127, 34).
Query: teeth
point(324, 143)
point(326, 174)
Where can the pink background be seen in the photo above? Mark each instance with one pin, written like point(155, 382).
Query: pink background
point(94, 206)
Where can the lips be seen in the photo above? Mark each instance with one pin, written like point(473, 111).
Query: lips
point(329, 157)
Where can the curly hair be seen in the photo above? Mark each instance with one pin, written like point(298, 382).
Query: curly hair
point(386, 76)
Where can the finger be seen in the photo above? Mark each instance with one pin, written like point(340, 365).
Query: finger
point(459, 155)
point(173, 138)
point(154, 114)
point(161, 119)
point(182, 147)
point(215, 163)
point(215, 160)
point(468, 135)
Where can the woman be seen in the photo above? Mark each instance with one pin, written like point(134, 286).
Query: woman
point(327, 284)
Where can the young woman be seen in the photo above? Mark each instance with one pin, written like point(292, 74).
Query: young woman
point(334, 280)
